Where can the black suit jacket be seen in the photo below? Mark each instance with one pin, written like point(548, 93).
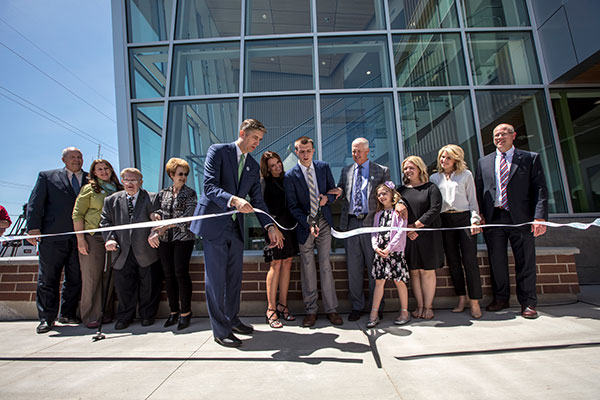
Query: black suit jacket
point(114, 212)
point(527, 191)
point(51, 203)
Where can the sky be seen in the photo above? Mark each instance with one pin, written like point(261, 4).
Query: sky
point(56, 59)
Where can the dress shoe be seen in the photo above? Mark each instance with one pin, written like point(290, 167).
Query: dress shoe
point(243, 329)
point(122, 324)
point(529, 312)
point(497, 305)
point(147, 321)
point(229, 341)
point(172, 320)
point(335, 318)
point(44, 326)
point(92, 325)
point(69, 320)
point(309, 320)
point(106, 319)
point(184, 321)
point(354, 315)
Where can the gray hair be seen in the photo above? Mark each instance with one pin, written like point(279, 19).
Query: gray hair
point(362, 141)
point(69, 150)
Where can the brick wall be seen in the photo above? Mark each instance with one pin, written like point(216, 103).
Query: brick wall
point(556, 281)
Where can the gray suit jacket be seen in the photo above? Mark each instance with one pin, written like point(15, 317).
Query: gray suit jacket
point(115, 213)
point(377, 175)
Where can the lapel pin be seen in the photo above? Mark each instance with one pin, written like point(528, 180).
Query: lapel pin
point(248, 169)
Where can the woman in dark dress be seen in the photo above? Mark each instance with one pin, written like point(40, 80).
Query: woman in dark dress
point(424, 250)
point(271, 169)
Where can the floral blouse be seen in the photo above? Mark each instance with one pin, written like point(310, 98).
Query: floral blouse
point(182, 205)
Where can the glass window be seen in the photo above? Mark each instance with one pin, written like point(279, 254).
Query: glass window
point(267, 17)
point(503, 58)
point(431, 120)
point(353, 62)
point(429, 60)
point(200, 69)
point(495, 13)
point(350, 15)
point(197, 19)
point(410, 14)
point(347, 117)
point(148, 67)
point(194, 126)
point(147, 133)
point(275, 65)
point(576, 113)
point(526, 111)
point(149, 20)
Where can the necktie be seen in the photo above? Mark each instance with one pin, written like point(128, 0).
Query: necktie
point(240, 169)
point(130, 207)
point(503, 181)
point(75, 184)
point(357, 195)
point(312, 190)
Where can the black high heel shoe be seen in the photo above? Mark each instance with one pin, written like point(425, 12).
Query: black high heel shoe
point(272, 319)
point(184, 321)
point(172, 320)
point(284, 313)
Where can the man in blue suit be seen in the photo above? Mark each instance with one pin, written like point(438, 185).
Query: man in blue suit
point(230, 174)
point(306, 187)
point(49, 211)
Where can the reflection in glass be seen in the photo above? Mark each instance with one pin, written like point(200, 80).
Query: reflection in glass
point(267, 17)
point(148, 67)
point(194, 126)
point(197, 19)
point(147, 132)
point(577, 115)
point(526, 111)
point(353, 62)
point(347, 117)
point(431, 120)
point(200, 69)
point(410, 14)
point(429, 60)
point(337, 16)
point(149, 20)
point(495, 13)
point(503, 58)
point(279, 65)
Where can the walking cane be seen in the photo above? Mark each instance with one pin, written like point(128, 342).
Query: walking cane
point(99, 335)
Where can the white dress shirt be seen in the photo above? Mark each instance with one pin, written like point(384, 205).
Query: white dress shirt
point(306, 173)
point(133, 198)
point(509, 157)
point(458, 193)
point(78, 174)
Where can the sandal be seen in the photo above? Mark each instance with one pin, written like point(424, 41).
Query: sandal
point(373, 322)
point(428, 313)
point(418, 313)
point(284, 313)
point(272, 319)
point(402, 320)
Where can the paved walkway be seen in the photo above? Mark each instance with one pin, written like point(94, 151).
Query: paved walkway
point(499, 356)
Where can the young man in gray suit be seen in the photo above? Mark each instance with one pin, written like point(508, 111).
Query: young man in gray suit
point(356, 187)
point(135, 263)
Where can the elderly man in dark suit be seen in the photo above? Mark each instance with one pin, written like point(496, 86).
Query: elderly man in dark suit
point(49, 211)
point(356, 187)
point(230, 174)
point(306, 186)
point(511, 189)
point(135, 263)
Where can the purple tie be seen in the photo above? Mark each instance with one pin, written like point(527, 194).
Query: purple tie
point(358, 192)
point(503, 181)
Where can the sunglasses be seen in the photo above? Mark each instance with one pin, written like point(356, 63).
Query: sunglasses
point(182, 174)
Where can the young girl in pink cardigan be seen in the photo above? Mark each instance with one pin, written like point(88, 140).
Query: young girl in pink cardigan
point(389, 262)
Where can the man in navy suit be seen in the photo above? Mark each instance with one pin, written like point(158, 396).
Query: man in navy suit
point(230, 174)
point(511, 189)
point(306, 186)
point(49, 211)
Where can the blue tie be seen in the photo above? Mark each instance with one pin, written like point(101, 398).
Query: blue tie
point(75, 184)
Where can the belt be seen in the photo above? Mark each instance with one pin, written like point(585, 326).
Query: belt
point(359, 216)
point(453, 212)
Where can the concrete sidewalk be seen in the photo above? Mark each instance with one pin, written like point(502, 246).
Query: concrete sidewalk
point(499, 356)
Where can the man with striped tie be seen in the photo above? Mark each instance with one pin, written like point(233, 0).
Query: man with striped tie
point(306, 187)
point(511, 189)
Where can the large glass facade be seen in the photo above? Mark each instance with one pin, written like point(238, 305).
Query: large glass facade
point(409, 75)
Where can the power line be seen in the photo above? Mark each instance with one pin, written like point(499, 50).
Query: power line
point(60, 119)
point(57, 62)
point(51, 120)
point(14, 185)
point(59, 83)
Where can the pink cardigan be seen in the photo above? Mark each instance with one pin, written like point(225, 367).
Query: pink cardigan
point(397, 238)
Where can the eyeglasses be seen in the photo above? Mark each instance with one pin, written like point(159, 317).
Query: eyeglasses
point(502, 134)
point(182, 174)
point(130, 180)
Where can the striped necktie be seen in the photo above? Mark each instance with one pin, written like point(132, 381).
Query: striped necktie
point(503, 182)
point(312, 189)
